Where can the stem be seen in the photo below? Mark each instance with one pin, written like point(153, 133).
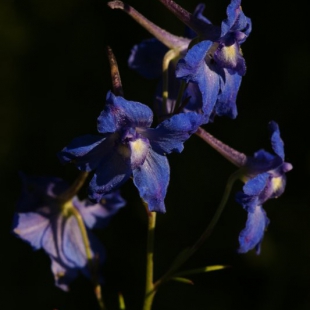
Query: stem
point(149, 286)
point(237, 158)
point(90, 259)
point(187, 253)
point(207, 31)
point(168, 39)
point(75, 187)
point(169, 56)
point(115, 76)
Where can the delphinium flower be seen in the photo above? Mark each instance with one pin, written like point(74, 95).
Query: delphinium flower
point(264, 177)
point(128, 146)
point(212, 67)
point(47, 218)
point(216, 63)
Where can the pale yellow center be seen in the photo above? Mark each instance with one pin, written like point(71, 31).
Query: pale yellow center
point(230, 53)
point(276, 183)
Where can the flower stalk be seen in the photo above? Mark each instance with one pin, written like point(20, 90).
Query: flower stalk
point(168, 39)
point(149, 285)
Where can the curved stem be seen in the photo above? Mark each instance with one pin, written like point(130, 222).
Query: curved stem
point(75, 187)
point(90, 258)
point(149, 286)
point(168, 39)
point(207, 31)
point(187, 253)
point(169, 56)
point(237, 158)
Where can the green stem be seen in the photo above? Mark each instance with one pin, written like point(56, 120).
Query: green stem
point(74, 188)
point(187, 253)
point(149, 285)
point(169, 56)
point(90, 259)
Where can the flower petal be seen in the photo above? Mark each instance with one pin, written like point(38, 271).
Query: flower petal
point(152, 179)
point(276, 141)
point(256, 185)
point(119, 113)
point(229, 56)
point(170, 135)
point(226, 102)
point(252, 235)
point(236, 20)
point(194, 67)
point(86, 151)
point(99, 214)
point(112, 173)
point(31, 227)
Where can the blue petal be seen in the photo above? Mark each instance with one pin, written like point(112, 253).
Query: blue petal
point(72, 245)
point(236, 20)
point(98, 215)
point(31, 227)
point(249, 203)
point(119, 113)
point(147, 57)
point(256, 185)
point(226, 102)
point(193, 68)
point(170, 135)
point(152, 179)
point(86, 151)
point(263, 161)
point(276, 141)
point(252, 235)
point(112, 173)
point(193, 97)
point(229, 56)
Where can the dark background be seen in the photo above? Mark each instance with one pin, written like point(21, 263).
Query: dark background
point(54, 76)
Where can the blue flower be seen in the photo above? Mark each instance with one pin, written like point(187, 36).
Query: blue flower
point(47, 222)
point(128, 146)
point(216, 64)
point(213, 68)
point(266, 179)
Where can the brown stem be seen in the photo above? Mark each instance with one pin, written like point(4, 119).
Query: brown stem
point(237, 158)
point(115, 76)
point(170, 40)
point(203, 29)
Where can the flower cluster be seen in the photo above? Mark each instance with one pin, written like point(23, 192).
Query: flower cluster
point(200, 75)
point(62, 227)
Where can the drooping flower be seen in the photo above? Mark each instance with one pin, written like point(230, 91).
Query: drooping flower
point(266, 180)
point(128, 146)
point(216, 63)
point(213, 67)
point(264, 175)
point(47, 222)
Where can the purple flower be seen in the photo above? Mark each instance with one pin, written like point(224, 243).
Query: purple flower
point(216, 64)
point(128, 146)
point(266, 179)
point(47, 222)
point(213, 67)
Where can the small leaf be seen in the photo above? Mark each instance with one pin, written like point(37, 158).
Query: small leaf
point(201, 270)
point(121, 301)
point(182, 280)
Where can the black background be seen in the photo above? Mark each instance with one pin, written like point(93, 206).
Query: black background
point(54, 76)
